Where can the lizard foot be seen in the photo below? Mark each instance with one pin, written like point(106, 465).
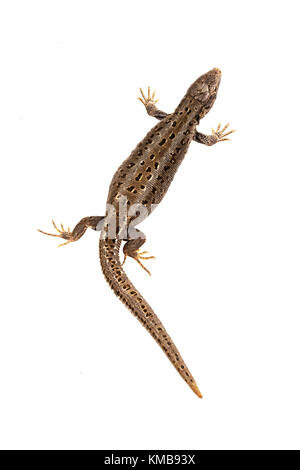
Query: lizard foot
point(138, 255)
point(219, 133)
point(149, 100)
point(64, 234)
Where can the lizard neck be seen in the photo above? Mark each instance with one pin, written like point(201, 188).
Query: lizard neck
point(189, 106)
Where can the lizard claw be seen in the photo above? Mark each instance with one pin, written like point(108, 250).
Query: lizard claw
point(149, 99)
point(138, 255)
point(220, 133)
point(64, 234)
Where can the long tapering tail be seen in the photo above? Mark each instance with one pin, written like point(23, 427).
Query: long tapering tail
point(129, 295)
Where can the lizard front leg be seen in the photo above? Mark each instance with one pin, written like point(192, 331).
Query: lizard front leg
point(132, 249)
point(79, 229)
point(219, 135)
point(150, 104)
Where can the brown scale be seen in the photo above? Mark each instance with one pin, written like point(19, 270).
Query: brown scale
point(144, 178)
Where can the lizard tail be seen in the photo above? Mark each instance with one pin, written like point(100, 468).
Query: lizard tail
point(129, 295)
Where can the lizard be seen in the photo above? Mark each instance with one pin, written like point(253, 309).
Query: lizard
point(142, 180)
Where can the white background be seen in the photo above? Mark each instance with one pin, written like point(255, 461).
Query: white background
point(77, 370)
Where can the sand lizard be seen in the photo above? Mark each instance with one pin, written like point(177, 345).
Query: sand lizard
point(143, 179)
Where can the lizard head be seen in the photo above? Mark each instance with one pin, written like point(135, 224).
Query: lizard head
point(205, 89)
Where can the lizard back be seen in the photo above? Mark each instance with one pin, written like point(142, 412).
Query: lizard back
point(145, 176)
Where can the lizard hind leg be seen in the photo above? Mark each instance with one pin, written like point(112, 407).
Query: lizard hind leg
point(64, 234)
point(77, 232)
point(132, 249)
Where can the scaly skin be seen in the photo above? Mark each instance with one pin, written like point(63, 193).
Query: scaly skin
point(144, 178)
